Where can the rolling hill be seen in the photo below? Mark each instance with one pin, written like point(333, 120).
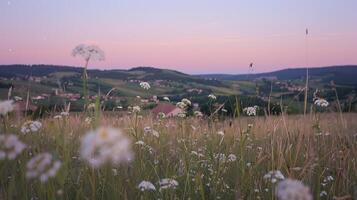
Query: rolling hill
point(342, 75)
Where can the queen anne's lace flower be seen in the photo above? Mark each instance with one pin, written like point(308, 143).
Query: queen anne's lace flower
point(251, 111)
point(198, 114)
point(181, 105)
point(293, 190)
point(6, 107)
point(31, 127)
point(321, 102)
point(146, 185)
point(145, 85)
point(136, 109)
point(274, 176)
point(186, 101)
point(88, 52)
point(106, 145)
point(42, 166)
point(10, 146)
point(212, 96)
point(168, 183)
point(166, 98)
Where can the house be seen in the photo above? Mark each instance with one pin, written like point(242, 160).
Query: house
point(168, 109)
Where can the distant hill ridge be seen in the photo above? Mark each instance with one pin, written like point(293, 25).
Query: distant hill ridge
point(345, 74)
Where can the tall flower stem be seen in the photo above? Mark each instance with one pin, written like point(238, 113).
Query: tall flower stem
point(85, 85)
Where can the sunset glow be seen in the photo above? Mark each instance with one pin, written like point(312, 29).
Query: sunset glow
point(191, 36)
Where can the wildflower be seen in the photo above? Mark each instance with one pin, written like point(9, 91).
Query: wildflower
point(212, 96)
point(166, 98)
point(88, 120)
point(232, 158)
point(6, 107)
point(198, 114)
point(140, 142)
point(91, 106)
point(251, 111)
point(181, 105)
point(42, 166)
point(321, 102)
point(181, 115)
point(57, 117)
point(221, 133)
point(105, 145)
point(161, 115)
point(146, 185)
point(148, 129)
point(64, 113)
point(17, 98)
point(274, 176)
point(145, 85)
point(31, 127)
point(186, 101)
point(323, 193)
point(292, 190)
point(10, 146)
point(168, 183)
point(136, 109)
point(88, 52)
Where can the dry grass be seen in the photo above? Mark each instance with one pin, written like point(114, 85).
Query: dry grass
point(309, 149)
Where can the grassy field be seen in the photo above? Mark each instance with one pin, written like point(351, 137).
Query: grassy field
point(207, 159)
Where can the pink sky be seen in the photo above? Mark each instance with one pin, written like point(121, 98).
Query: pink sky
point(215, 38)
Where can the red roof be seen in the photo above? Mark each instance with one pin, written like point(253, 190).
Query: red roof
point(165, 108)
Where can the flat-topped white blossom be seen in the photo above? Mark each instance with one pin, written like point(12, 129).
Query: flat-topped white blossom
point(145, 85)
point(186, 101)
point(6, 107)
point(181, 105)
point(166, 98)
point(292, 190)
point(88, 52)
point(106, 145)
point(168, 183)
point(146, 185)
point(321, 102)
point(136, 109)
point(10, 146)
point(231, 158)
point(181, 115)
point(274, 176)
point(212, 96)
point(198, 113)
point(251, 111)
point(42, 166)
point(161, 115)
point(31, 127)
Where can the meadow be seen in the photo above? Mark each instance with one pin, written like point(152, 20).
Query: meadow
point(178, 158)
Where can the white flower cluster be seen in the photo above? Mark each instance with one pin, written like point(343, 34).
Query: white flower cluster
point(198, 114)
point(31, 127)
point(186, 102)
point(149, 130)
point(10, 146)
point(6, 107)
point(166, 98)
point(212, 96)
point(145, 85)
point(42, 166)
point(88, 52)
point(146, 185)
point(251, 111)
point(321, 102)
point(168, 183)
point(292, 190)
point(106, 145)
point(274, 176)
